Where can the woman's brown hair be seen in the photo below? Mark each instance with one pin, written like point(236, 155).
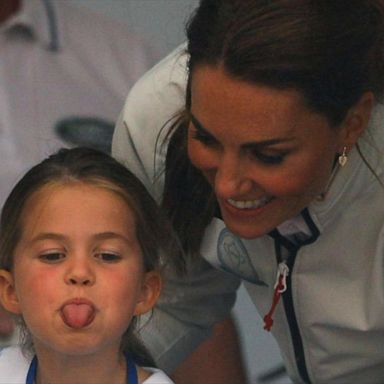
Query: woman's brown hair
point(330, 51)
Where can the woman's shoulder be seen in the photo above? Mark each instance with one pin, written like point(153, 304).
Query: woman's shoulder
point(160, 93)
point(157, 377)
point(149, 110)
point(170, 71)
point(372, 143)
point(13, 365)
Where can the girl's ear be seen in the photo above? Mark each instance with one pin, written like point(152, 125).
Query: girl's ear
point(356, 121)
point(8, 297)
point(150, 292)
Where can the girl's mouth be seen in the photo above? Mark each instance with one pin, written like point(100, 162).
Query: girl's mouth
point(78, 313)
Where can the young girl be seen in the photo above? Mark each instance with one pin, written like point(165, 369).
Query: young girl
point(81, 247)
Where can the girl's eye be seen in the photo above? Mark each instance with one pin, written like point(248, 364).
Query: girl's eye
point(52, 257)
point(108, 257)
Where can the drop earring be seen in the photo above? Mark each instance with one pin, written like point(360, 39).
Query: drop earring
point(343, 158)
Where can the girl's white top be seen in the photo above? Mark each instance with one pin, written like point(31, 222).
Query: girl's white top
point(14, 368)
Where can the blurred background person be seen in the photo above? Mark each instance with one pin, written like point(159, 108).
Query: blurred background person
point(64, 75)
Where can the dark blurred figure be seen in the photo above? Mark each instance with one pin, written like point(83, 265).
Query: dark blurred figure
point(64, 75)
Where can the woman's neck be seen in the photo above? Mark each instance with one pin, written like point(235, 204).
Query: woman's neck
point(109, 367)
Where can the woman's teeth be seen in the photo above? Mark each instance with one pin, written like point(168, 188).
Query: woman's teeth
point(249, 204)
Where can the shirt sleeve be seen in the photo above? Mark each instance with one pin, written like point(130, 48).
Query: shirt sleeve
point(190, 305)
point(188, 308)
point(151, 106)
point(157, 377)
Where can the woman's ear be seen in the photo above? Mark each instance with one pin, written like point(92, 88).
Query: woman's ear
point(8, 297)
point(356, 121)
point(150, 292)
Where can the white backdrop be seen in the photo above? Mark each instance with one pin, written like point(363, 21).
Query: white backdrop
point(161, 23)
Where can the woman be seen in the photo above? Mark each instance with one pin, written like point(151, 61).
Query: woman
point(273, 173)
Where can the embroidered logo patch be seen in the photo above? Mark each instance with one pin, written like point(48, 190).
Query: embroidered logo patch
point(234, 258)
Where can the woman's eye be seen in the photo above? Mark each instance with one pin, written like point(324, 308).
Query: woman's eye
point(108, 257)
point(52, 257)
point(269, 159)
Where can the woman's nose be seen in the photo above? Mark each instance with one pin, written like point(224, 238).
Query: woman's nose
point(231, 178)
point(80, 272)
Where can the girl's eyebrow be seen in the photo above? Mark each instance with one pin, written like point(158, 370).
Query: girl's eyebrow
point(249, 145)
point(113, 235)
point(48, 236)
point(61, 237)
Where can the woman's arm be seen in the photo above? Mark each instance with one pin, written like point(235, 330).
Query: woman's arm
point(190, 305)
point(186, 313)
point(216, 360)
point(142, 125)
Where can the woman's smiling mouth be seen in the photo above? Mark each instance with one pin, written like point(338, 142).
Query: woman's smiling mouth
point(249, 204)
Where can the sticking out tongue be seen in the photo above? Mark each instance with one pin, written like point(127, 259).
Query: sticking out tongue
point(78, 315)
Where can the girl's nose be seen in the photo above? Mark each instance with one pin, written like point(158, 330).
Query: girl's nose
point(231, 179)
point(80, 273)
point(80, 280)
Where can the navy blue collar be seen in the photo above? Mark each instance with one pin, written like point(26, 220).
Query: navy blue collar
point(131, 371)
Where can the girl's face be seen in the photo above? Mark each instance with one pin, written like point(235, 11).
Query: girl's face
point(264, 152)
point(78, 274)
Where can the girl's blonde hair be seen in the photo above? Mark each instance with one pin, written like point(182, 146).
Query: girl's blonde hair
point(158, 245)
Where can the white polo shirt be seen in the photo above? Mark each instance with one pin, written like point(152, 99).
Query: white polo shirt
point(14, 368)
point(58, 63)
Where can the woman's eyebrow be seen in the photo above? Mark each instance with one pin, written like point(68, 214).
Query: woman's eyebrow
point(248, 145)
point(266, 143)
point(198, 125)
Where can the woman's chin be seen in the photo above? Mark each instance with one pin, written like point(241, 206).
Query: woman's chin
point(248, 223)
point(247, 230)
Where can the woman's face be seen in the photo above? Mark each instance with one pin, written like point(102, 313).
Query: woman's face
point(265, 153)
